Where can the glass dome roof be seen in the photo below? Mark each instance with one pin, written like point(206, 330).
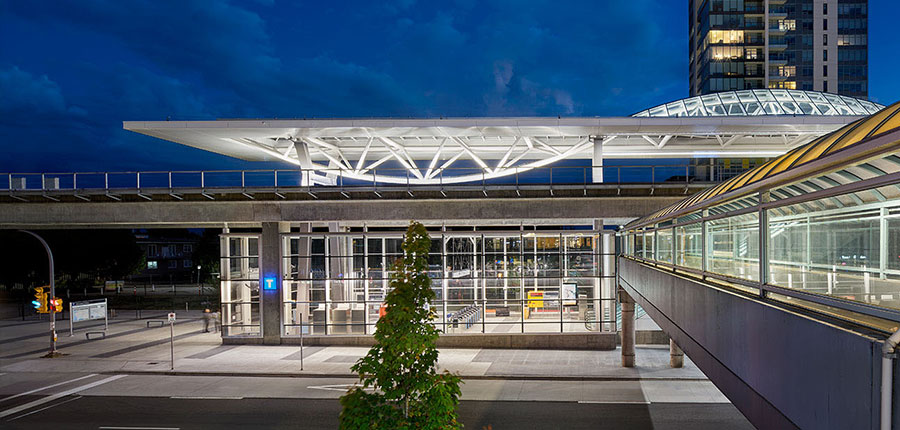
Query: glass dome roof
point(764, 102)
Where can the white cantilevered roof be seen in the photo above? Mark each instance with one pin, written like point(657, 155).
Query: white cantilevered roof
point(428, 148)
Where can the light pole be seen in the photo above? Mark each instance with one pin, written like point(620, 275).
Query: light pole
point(53, 352)
point(199, 288)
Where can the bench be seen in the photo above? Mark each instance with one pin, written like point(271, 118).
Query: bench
point(160, 322)
point(88, 334)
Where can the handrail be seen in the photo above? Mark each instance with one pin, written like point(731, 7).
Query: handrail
point(388, 177)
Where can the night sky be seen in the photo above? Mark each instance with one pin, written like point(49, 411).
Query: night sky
point(71, 72)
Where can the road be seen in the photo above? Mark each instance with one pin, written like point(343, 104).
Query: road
point(131, 402)
point(102, 412)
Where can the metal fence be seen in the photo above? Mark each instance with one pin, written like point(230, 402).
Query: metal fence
point(174, 182)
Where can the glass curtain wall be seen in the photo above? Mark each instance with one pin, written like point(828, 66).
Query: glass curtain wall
point(498, 282)
point(239, 273)
point(845, 246)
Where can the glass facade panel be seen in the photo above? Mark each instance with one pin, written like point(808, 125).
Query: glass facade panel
point(239, 284)
point(688, 245)
point(733, 246)
point(838, 252)
point(336, 284)
point(665, 251)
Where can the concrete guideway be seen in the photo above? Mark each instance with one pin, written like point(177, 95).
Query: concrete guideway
point(252, 213)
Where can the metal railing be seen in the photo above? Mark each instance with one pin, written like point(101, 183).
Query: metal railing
point(146, 183)
point(460, 316)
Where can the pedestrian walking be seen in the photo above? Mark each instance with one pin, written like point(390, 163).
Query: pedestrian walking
point(207, 318)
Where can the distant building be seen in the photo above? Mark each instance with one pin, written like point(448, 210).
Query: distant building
point(168, 259)
point(818, 45)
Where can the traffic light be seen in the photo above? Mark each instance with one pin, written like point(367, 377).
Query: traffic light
point(56, 305)
point(40, 302)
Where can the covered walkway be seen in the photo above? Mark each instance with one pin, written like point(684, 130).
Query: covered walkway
point(783, 283)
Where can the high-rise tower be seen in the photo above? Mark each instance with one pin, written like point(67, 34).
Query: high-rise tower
point(818, 45)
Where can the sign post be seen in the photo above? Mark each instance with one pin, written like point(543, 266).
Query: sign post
point(172, 338)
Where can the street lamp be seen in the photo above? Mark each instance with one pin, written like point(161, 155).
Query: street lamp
point(198, 275)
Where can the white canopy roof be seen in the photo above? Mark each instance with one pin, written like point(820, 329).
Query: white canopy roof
point(428, 148)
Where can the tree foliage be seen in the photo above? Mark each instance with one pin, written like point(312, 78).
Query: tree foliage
point(400, 387)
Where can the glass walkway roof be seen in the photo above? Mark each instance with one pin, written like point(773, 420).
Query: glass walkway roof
point(764, 102)
point(842, 139)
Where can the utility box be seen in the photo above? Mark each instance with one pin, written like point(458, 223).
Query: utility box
point(51, 183)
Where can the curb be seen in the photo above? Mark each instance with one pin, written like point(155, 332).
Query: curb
point(354, 376)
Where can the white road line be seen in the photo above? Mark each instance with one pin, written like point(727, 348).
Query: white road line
point(612, 402)
point(53, 397)
point(139, 428)
point(338, 387)
point(45, 408)
point(206, 398)
point(44, 388)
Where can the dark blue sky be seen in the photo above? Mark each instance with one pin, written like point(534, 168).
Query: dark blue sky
point(70, 72)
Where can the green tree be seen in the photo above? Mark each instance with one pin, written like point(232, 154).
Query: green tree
point(400, 370)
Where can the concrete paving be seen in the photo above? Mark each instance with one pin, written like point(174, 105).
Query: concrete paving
point(125, 380)
point(132, 347)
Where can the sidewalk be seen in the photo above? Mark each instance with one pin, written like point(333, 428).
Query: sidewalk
point(131, 347)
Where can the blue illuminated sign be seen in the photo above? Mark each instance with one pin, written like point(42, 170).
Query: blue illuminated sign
point(269, 284)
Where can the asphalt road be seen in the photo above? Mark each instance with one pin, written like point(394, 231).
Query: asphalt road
point(162, 413)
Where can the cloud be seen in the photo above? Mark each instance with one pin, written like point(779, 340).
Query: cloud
point(143, 60)
point(25, 94)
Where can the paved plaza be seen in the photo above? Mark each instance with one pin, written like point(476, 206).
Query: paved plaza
point(116, 380)
point(133, 347)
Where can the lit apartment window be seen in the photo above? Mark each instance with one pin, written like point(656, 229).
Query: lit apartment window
point(726, 36)
point(786, 85)
point(787, 71)
point(152, 265)
point(720, 53)
point(787, 24)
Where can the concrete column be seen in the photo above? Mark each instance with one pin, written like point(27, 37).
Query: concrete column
point(270, 266)
point(676, 355)
point(597, 160)
point(627, 329)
